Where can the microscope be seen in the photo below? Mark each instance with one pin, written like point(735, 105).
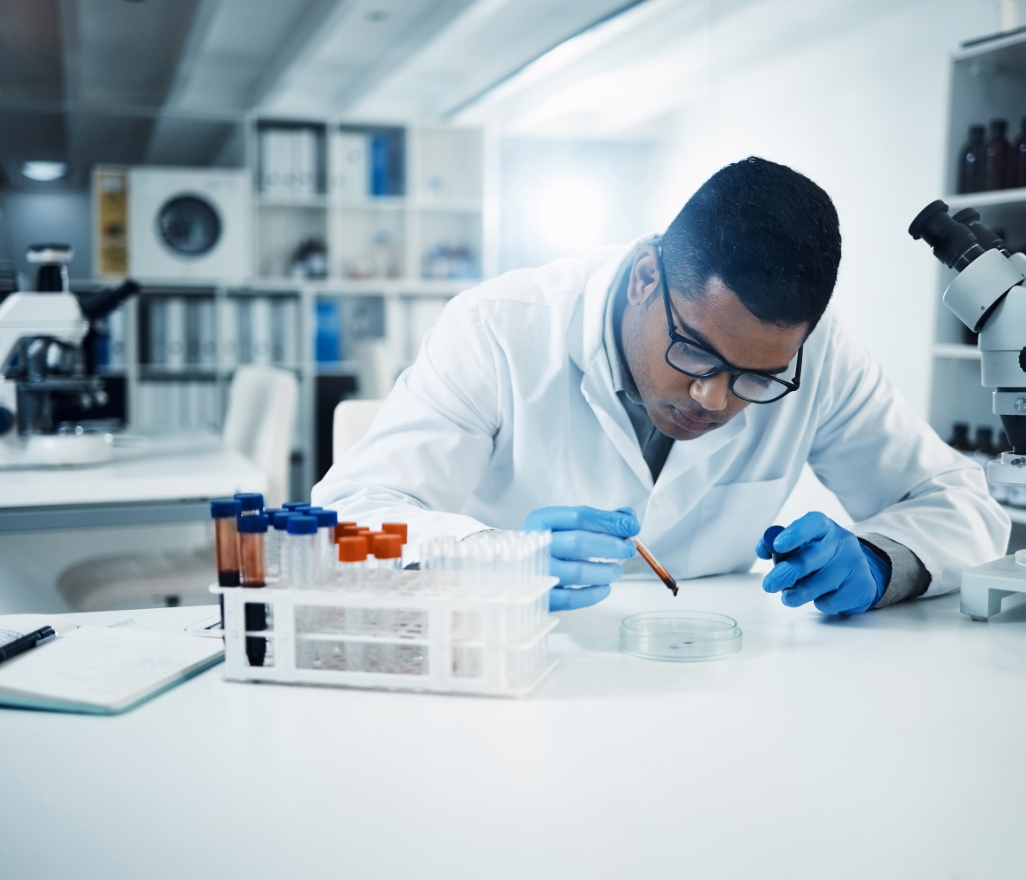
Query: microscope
point(989, 298)
point(47, 382)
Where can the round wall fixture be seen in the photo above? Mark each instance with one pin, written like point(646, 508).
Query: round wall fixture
point(189, 226)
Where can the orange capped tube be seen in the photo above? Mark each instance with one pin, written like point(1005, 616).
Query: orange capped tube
point(340, 529)
point(352, 550)
point(388, 551)
point(400, 529)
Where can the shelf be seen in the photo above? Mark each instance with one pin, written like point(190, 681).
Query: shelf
point(455, 206)
point(319, 202)
point(1015, 514)
point(371, 203)
point(987, 199)
point(956, 351)
point(361, 286)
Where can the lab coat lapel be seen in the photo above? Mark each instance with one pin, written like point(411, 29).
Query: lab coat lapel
point(586, 348)
point(691, 469)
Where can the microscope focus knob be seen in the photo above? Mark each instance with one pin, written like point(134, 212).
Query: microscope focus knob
point(6, 420)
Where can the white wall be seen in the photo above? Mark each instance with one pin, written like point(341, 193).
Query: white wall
point(33, 218)
point(860, 109)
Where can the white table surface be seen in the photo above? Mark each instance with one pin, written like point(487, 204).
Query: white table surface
point(887, 745)
point(144, 469)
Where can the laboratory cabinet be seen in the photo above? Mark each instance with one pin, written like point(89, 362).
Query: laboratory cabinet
point(359, 236)
point(987, 82)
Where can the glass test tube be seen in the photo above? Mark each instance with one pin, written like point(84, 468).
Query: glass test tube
point(326, 552)
point(352, 560)
point(252, 533)
point(226, 545)
point(226, 540)
point(388, 552)
point(277, 548)
point(302, 544)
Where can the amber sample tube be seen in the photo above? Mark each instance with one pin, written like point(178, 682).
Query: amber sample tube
point(656, 565)
point(224, 512)
point(252, 535)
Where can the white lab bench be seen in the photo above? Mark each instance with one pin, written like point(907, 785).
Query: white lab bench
point(887, 745)
point(150, 480)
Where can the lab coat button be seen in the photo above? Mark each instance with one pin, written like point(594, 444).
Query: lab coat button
point(659, 499)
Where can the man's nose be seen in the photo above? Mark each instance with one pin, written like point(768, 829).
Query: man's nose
point(713, 393)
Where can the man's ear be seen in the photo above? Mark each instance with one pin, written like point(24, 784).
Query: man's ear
point(644, 281)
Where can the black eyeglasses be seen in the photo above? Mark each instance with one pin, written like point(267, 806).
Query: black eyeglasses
point(695, 360)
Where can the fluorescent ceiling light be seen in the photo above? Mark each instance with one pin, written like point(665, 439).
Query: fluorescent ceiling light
point(44, 171)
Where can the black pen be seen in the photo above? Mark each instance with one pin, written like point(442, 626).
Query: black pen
point(30, 640)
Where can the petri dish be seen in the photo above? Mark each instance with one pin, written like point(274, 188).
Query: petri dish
point(680, 635)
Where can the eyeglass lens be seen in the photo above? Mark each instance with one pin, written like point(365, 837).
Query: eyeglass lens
point(750, 386)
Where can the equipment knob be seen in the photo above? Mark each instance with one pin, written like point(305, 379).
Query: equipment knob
point(6, 420)
point(1022, 359)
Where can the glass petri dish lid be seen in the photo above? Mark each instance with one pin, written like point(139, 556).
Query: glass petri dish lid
point(680, 635)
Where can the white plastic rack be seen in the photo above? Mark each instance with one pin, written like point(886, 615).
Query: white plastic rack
point(400, 630)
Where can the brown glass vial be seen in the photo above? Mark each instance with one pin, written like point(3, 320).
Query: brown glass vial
point(252, 537)
point(1017, 175)
point(960, 437)
point(970, 161)
point(997, 156)
point(224, 512)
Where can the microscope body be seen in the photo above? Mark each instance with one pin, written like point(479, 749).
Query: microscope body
point(989, 297)
point(46, 387)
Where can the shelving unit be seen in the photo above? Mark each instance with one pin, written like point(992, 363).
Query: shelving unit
point(987, 82)
point(383, 255)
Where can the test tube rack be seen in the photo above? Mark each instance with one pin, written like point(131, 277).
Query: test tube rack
point(405, 630)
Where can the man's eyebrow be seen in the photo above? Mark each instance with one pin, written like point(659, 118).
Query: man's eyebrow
point(703, 340)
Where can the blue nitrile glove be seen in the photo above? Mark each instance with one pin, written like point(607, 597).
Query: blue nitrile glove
point(579, 535)
point(823, 563)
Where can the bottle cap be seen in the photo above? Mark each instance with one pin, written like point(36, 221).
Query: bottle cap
point(400, 529)
point(251, 524)
point(339, 529)
point(280, 520)
point(224, 507)
point(295, 505)
point(302, 525)
point(326, 519)
point(352, 549)
point(998, 124)
point(388, 547)
point(250, 500)
point(342, 531)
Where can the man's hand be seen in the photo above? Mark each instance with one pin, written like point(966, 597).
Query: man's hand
point(825, 564)
point(579, 536)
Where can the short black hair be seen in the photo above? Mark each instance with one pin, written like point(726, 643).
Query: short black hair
point(767, 232)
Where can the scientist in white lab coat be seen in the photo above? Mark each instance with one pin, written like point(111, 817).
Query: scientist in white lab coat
point(675, 387)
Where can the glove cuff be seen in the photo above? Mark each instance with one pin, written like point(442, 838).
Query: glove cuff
point(879, 566)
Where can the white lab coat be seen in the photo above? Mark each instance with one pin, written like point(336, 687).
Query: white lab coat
point(510, 406)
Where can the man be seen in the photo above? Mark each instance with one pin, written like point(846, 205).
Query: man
point(687, 377)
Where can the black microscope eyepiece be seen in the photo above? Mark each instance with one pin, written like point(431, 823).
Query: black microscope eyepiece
point(953, 244)
point(987, 237)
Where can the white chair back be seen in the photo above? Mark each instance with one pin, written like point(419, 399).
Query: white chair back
point(260, 421)
point(352, 420)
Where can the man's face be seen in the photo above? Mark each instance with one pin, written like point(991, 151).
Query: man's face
point(679, 406)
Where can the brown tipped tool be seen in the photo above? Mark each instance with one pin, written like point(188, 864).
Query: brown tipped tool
point(657, 566)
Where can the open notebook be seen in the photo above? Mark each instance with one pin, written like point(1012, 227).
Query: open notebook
point(103, 670)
